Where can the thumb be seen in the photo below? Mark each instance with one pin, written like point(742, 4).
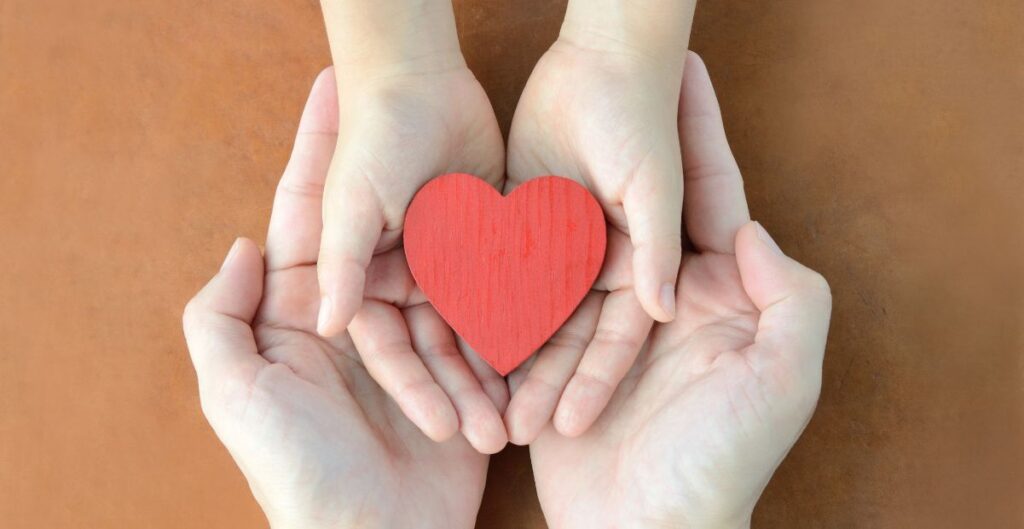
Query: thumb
point(217, 321)
point(795, 302)
point(352, 222)
point(653, 206)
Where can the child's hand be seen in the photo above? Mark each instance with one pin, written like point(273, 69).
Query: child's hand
point(410, 110)
point(395, 134)
point(604, 113)
point(718, 396)
point(319, 442)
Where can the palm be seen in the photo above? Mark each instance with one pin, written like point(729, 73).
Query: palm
point(717, 396)
point(588, 116)
point(681, 424)
point(397, 134)
point(321, 444)
point(325, 421)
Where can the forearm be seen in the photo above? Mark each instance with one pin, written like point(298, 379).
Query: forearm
point(657, 30)
point(385, 37)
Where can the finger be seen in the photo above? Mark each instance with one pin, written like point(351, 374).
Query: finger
point(493, 383)
point(388, 279)
point(380, 335)
point(621, 331)
point(535, 399)
point(617, 269)
point(218, 319)
point(294, 233)
point(715, 205)
point(653, 206)
point(518, 375)
point(353, 218)
point(795, 302)
point(479, 421)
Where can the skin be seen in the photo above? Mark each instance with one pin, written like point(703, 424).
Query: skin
point(409, 110)
point(600, 107)
point(717, 397)
point(689, 439)
point(632, 423)
point(319, 441)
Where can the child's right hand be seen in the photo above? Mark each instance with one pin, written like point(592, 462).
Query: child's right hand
point(401, 125)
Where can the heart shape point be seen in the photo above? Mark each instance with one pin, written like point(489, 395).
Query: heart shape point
point(505, 272)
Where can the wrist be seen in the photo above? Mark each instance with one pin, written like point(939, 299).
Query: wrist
point(652, 30)
point(383, 38)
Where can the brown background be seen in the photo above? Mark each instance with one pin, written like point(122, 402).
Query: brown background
point(881, 140)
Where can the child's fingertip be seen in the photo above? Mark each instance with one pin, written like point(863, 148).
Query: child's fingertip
point(323, 320)
point(668, 300)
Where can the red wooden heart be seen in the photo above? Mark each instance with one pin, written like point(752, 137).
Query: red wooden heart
point(504, 272)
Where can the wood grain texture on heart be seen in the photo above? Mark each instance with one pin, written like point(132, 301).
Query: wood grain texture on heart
point(505, 272)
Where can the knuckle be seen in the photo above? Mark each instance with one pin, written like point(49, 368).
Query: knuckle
point(208, 407)
point(714, 171)
point(413, 391)
point(300, 188)
point(595, 382)
point(440, 351)
point(818, 286)
point(613, 338)
point(569, 339)
point(193, 313)
point(662, 244)
point(334, 263)
point(545, 382)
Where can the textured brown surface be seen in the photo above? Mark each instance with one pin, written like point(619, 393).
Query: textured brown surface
point(882, 141)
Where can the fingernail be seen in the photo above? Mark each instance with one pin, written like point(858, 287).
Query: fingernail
point(324, 315)
point(762, 234)
point(231, 253)
point(668, 299)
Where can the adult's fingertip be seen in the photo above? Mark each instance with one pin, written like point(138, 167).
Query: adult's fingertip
point(516, 435)
point(694, 64)
point(480, 423)
point(770, 275)
point(491, 448)
point(232, 253)
point(566, 422)
point(764, 238)
point(491, 440)
point(520, 431)
point(572, 418)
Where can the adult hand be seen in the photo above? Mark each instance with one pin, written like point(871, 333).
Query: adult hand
point(601, 108)
point(319, 442)
point(718, 396)
point(410, 110)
